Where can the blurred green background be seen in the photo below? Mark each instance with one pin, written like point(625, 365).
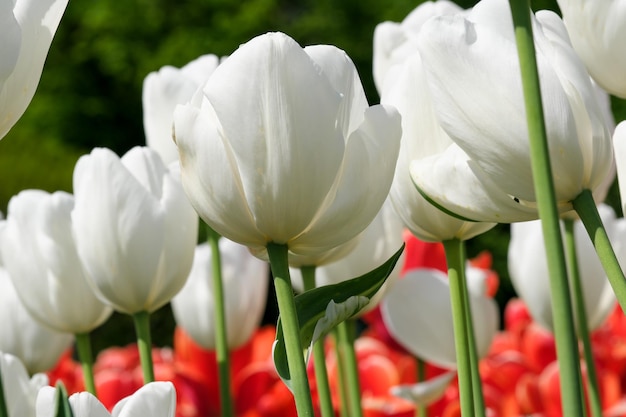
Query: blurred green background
point(90, 91)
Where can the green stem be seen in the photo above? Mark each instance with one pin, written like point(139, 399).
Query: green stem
point(221, 335)
point(344, 410)
point(581, 315)
point(278, 256)
point(144, 343)
point(83, 346)
point(566, 343)
point(422, 409)
point(588, 213)
point(477, 387)
point(319, 355)
point(454, 258)
point(346, 334)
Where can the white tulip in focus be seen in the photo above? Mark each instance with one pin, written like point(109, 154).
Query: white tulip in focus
point(528, 268)
point(474, 80)
point(37, 346)
point(597, 30)
point(155, 399)
point(395, 42)
point(135, 229)
point(378, 242)
point(40, 255)
point(20, 390)
point(245, 280)
point(422, 136)
point(162, 91)
point(280, 146)
point(417, 311)
point(27, 29)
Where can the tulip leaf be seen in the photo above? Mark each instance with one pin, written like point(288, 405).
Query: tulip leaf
point(63, 408)
point(440, 207)
point(321, 309)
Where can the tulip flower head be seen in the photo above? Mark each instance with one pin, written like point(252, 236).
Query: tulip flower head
point(20, 390)
point(528, 268)
point(37, 346)
point(135, 230)
point(597, 30)
point(162, 91)
point(245, 280)
point(395, 42)
point(27, 30)
point(41, 258)
point(474, 80)
point(155, 399)
point(280, 146)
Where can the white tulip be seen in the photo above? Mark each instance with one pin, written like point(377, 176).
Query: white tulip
point(245, 280)
point(40, 256)
point(528, 268)
point(162, 91)
point(280, 146)
point(418, 313)
point(597, 30)
point(27, 29)
point(38, 347)
point(474, 79)
point(20, 390)
point(155, 399)
point(135, 230)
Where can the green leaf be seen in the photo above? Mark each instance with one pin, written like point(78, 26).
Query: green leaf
point(63, 408)
point(321, 309)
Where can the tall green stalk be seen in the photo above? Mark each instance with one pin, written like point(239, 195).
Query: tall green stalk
point(477, 386)
point(144, 343)
point(422, 409)
point(344, 410)
point(588, 212)
point(278, 256)
point(454, 258)
point(346, 335)
point(319, 355)
point(221, 335)
point(83, 346)
point(566, 343)
point(3, 402)
point(593, 388)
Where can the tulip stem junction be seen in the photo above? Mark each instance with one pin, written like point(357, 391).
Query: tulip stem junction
point(85, 355)
point(566, 341)
point(221, 336)
point(454, 258)
point(588, 212)
point(144, 343)
point(278, 257)
point(477, 386)
point(582, 322)
point(319, 356)
point(345, 337)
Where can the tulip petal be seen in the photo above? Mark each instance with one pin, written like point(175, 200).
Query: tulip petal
point(208, 168)
point(156, 399)
point(459, 57)
point(427, 392)
point(38, 20)
point(455, 183)
point(422, 136)
point(85, 404)
point(288, 148)
point(418, 313)
point(129, 228)
point(363, 184)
